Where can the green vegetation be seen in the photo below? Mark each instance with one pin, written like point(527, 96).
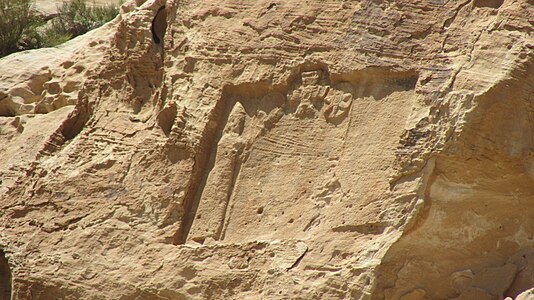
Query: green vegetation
point(76, 17)
point(15, 18)
point(22, 29)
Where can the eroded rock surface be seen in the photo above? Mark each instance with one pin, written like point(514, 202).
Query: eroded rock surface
point(273, 150)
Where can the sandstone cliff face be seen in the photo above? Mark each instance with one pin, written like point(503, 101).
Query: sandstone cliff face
point(273, 150)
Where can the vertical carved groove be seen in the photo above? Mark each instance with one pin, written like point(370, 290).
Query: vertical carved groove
point(204, 162)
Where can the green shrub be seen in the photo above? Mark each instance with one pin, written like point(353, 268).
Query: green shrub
point(15, 18)
point(51, 38)
point(22, 29)
point(76, 17)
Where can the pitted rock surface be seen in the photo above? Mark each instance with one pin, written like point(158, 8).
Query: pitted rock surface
point(273, 150)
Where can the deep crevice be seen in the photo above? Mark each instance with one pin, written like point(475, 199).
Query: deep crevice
point(5, 278)
point(159, 25)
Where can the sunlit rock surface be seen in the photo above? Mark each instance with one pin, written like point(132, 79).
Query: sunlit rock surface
point(273, 150)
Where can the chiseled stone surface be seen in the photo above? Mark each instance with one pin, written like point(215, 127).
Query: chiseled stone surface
point(273, 150)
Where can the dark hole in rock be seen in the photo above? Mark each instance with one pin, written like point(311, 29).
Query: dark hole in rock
point(74, 123)
point(166, 118)
point(159, 25)
point(199, 240)
point(489, 3)
point(5, 278)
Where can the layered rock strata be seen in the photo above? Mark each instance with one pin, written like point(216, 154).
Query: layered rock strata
point(273, 150)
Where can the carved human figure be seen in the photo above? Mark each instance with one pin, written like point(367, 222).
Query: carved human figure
point(209, 218)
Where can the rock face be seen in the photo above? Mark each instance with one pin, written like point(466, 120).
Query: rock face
point(273, 150)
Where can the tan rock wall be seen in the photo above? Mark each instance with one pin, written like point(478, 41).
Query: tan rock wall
point(273, 150)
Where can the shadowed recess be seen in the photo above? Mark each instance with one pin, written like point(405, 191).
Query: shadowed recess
point(489, 3)
point(5, 278)
point(159, 25)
